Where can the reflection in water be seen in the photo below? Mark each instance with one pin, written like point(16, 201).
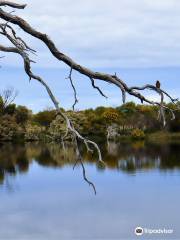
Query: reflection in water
point(143, 156)
point(128, 157)
point(47, 200)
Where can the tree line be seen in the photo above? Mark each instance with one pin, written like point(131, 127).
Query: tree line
point(129, 119)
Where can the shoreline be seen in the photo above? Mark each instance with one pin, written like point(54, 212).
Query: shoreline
point(160, 136)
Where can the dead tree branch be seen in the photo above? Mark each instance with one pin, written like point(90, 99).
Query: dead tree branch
point(27, 67)
point(80, 161)
point(12, 4)
point(73, 87)
point(96, 87)
point(22, 49)
point(8, 96)
point(114, 79)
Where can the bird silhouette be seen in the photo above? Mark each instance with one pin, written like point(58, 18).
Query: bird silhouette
point(158, 84)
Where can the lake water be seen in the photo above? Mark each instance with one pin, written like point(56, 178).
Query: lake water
point(42, 197)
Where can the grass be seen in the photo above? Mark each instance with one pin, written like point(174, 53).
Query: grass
point(162, 136)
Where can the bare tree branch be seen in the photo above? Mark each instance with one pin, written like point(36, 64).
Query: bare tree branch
point(12, 4)
point(71, 63)
point(22, 49)
point(8, 96)
point(79, 160)
point(27, 67)
point(152, 87)
point(99, 90)
point(73, 87)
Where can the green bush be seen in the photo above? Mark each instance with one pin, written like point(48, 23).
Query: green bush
point(33, 132)
point(9, 129)
point(137, 134)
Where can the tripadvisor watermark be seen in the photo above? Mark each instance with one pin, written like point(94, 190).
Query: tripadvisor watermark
point(139, 231)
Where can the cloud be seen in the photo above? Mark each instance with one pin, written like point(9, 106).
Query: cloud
point(105, 33)
point(135, 39)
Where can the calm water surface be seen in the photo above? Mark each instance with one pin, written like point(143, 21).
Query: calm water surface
point(43, 198)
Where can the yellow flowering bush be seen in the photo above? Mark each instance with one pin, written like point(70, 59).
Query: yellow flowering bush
point(137, 133)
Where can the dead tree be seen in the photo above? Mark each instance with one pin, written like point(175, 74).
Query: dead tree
point(8, 96)
point(21, 48)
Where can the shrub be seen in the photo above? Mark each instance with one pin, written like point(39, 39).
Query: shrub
point(9, 129)
point(137, 134)
point(58, 127)
point(33, 132)
point(22, 115)
point(45, 118)
point(111, 115)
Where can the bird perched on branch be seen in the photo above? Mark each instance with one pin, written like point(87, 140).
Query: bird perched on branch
point(158, 84)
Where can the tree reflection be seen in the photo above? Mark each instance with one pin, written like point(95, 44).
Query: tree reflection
point(128, 157)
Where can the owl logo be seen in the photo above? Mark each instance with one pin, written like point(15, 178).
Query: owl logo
point(139, 231)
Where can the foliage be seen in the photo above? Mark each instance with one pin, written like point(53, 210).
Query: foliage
point(111, 115)
point(18, 122)
point(137, 134)
point(33, 132)
point(58, 127)
point(22, 114)
point(10, 109)
point(45, 118)
point(9, 129)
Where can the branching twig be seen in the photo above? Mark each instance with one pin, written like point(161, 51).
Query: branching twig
point(22, 49)
point(96, 87)
point(12, 4)
point(74, 89)
point(79, 160)
point(71, 63)
point(27, 67)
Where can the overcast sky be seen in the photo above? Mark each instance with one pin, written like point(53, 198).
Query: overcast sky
point(104, 35)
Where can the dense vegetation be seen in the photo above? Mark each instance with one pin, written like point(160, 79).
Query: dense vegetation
point(130, 119)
